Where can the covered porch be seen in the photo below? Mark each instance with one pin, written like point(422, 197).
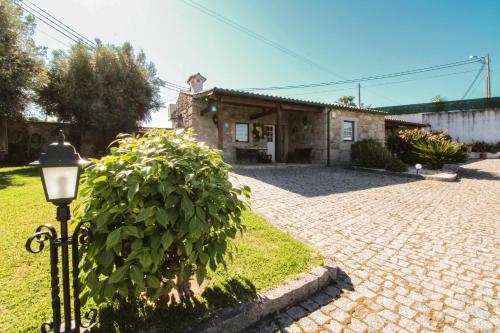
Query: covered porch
point(252, 128)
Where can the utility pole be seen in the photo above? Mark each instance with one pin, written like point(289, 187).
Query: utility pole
point(359, 95)
point(488, 85)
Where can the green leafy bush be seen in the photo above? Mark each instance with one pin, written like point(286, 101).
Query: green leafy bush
point(370, 153)
point(404, 143)
point(161, 209)
point(436, 153)
point(484, 147)
point(396, 165)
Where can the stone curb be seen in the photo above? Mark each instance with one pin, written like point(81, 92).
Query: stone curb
point(453, 176)
point(237, 318)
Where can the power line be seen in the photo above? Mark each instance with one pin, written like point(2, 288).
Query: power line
point(261, 38)
point(256, 35)
point(53, 38)
point(62, 32)
point(369, 78)
point(473, 81)
point(58, 22)
point(478, 83)
point(72, 34)
point(384, 84)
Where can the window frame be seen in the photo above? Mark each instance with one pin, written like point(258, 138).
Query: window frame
point(353, 135)
point(236, 132)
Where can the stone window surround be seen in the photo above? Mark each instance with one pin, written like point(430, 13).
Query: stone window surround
point(355, 121)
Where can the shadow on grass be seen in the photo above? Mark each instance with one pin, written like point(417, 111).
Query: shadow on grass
point(10, 177)
point(120, 316)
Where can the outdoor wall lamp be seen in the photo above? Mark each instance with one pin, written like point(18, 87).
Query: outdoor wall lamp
point(60, 170)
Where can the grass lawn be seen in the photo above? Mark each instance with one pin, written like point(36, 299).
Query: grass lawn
point(265, 257)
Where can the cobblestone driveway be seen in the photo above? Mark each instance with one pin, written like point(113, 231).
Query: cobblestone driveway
point(417, 255)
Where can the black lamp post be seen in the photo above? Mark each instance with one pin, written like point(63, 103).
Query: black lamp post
point(60, 170)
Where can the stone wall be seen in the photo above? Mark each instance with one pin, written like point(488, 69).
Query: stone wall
point(366, 126)
point(308, 130)
point(301, 129)
point(26, 140)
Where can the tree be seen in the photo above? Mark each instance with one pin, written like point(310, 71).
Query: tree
point(104, 91)
point(438, 99)
point(21, 61)
point(347, 100)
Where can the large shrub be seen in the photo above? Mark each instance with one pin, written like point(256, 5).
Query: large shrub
point(436, 153)
point(369, 153)
point(404, 143)
point(396, 165)
point(161, 209)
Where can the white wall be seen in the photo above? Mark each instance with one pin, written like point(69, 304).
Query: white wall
point(464, 126)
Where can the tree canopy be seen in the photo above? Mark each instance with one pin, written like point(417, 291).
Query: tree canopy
point(21, 61)
point(103, 91)
point(347, 100)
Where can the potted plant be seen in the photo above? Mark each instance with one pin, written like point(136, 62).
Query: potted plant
point(481, 147)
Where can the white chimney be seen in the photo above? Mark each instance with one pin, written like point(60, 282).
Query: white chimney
point(196, 81)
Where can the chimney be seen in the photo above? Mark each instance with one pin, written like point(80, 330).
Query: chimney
point(196, 81)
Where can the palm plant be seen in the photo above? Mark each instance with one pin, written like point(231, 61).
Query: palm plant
point(436, 153)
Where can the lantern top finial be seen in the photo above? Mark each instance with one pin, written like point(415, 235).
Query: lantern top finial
point(60, 137)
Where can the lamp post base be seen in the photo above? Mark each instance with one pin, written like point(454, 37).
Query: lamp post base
point(74, 329)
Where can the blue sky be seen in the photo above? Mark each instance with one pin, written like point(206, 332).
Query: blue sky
point(351, 39)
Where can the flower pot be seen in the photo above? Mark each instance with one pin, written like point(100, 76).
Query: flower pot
point(483, 156)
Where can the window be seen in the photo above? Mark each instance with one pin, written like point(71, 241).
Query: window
point(241, 132)
point(348, 130)
point(268, 133)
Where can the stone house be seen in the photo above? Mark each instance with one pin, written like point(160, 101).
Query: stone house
point(238, 122)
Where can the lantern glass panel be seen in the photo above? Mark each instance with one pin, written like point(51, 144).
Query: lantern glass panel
point(60, 182)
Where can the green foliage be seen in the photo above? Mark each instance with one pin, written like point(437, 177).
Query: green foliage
point(21, 64)
point(396, 165)
point(162, 209)
point(370, 153)
point(104, 91)
point(484, 147)
point(347, 100)
point(23, 274)
point(438, 99)
point(436, 153)
point(402, 144)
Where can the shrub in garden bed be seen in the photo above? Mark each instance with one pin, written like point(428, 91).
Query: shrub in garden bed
point(436, 153)
point(484, 147)
point(396, 165)
point(420, 146)
point(161, 209)
point(370, 153)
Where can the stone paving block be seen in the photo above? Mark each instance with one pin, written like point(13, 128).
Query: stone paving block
point(294, 328)
point(319, 317)
point(310, 305)
point(357, 326)
point(409, 252)
point(296, 312)
point(374, 321)
point(335, 327)
point(307, 324)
